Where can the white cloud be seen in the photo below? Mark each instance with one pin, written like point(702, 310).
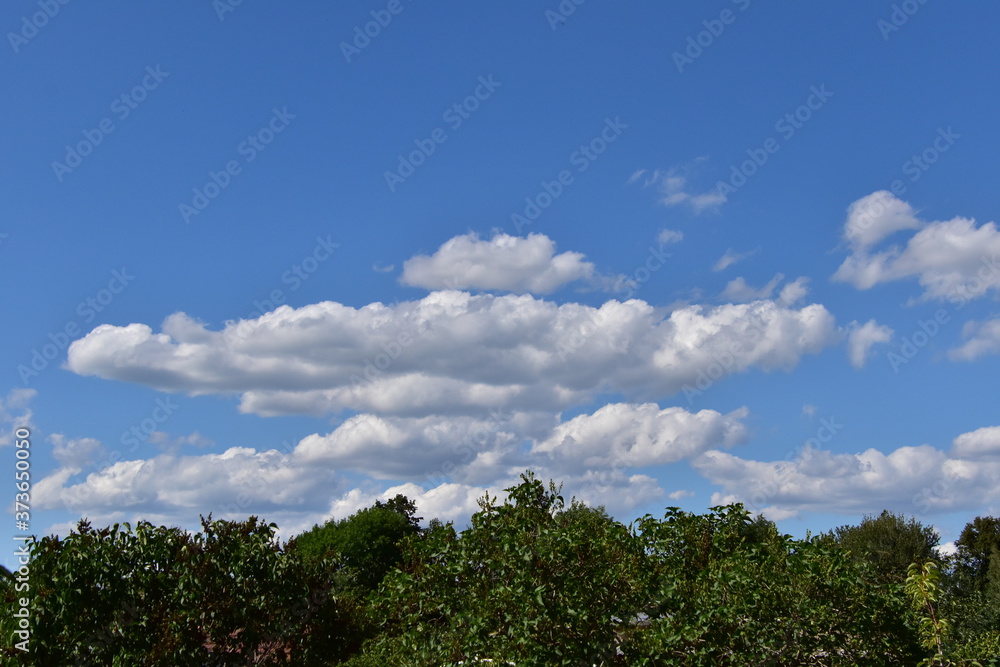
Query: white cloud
point(458, 458)
point(953, 259)
point(504, 263)
point(946, 549)
point(862, 338)
point(680, 494)
point(636, 436)
point(76, 454)
point(738, 290)
point(875, 217)
point(982, 338)
point(15, 412)
point(674, 189)
point(731, 257)
point(794, 292)
point(452, 353)
point(466, 448)
point(981, 445)
point(236, 479)
point(668, 236)
point(916, 480)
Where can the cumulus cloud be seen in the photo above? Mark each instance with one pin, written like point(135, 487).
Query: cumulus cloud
point(466, 448)
point(503, 263)
point(875, 217)
point(862, 337)
point(953, 259)
point(982, 338)
point(639, 436)
point(167, 484)
point(457, 459)
point(979, 445)
point(919, 479)
point(452, 353)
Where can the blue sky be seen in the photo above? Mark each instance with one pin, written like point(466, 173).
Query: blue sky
point(671, 254)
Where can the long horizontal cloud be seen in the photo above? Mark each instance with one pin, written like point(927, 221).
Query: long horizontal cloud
point(452, 353)
point(916, 480)
point(456, 458)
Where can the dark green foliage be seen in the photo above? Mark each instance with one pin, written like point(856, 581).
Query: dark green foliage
point(978, 548)
point(531, 581)
point(528, 582)
point(367, 543)
point(972, 592)
point(729, 590)
point(889, 542)
point(162, 596)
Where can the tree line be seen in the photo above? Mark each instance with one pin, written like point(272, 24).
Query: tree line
point(533, 581)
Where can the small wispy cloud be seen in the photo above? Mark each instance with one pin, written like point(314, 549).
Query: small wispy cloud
point(862, 338)
point(675, 188)
point(732, 257)
point(668, 236)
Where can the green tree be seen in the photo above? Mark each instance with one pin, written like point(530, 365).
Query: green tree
point(972, 592)
point(367, 544)
point(732, 590)
point(529, 581)
point(890, 542)
point(162, 596)
point(978, 547)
